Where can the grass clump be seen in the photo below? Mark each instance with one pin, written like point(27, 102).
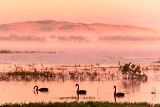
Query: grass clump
point(132, 71)
point(80, 104)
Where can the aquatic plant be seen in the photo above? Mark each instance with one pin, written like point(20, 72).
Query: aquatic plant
point(5, 51)
point(59, 73)
point(131, 71)
point(72, 72)
point(10, 51)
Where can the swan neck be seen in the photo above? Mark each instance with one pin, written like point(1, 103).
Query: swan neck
point(36, 88)
point(78, 88)
point(114, 90)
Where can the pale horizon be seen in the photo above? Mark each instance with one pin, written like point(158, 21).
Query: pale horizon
point(117, 12)
point(48, 47)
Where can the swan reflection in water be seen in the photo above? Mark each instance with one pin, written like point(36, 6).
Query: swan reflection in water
point(36, 89)
point(119, 94)
point(80, 91)
point(77, 99)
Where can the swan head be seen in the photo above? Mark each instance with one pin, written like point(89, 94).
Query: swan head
point(114, 87)
point(77, 84)
point(35, 87)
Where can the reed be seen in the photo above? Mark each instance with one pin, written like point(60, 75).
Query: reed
point(72, 73)
point(60, 73)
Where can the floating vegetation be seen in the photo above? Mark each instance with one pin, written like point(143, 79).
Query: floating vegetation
point(77, 98)
point(9, 52)
point(157, 61)
point(81, 104)
point(68, 98)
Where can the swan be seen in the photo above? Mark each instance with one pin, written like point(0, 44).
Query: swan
point(118, 94)
point(40, 89)
point(80, 91)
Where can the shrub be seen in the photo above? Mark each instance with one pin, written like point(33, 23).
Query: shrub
point(131, 71)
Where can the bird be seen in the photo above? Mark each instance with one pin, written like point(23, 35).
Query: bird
point(41, 89)
point(80, 91)
point(118, 94)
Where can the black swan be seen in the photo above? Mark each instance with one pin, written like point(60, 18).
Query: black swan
point(41, 89)
point(118, 94)
point(80, 91)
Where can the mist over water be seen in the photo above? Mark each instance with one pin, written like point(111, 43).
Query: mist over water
point(87, 53)
point(91, 53)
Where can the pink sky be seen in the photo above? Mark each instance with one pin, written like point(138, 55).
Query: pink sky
point(122, 12)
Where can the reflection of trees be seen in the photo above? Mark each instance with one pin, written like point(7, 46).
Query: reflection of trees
point(132, 85)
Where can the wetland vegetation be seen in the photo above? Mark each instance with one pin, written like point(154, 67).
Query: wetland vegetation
point(97, 73)
point(75, 72)
point(132, 71)
point(11, 52)
point(78, 73)
point(81, 104)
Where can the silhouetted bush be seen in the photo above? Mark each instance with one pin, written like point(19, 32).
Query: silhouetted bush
point(132, 71)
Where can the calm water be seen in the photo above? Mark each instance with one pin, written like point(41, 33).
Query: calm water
point(66, 91)
point(104, 54)
point(108, 55)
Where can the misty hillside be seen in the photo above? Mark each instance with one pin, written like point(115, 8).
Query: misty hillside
point(61, 31)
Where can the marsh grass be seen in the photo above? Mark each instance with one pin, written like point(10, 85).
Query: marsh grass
point(80, 104)
point(67, 73)
point(60, 73)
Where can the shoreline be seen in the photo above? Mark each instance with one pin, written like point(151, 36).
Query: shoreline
point(82, 104)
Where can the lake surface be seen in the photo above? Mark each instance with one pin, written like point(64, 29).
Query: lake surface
point(104, 55)
point(66, 91)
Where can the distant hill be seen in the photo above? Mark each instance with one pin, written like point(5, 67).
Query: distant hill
point(62, 31)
